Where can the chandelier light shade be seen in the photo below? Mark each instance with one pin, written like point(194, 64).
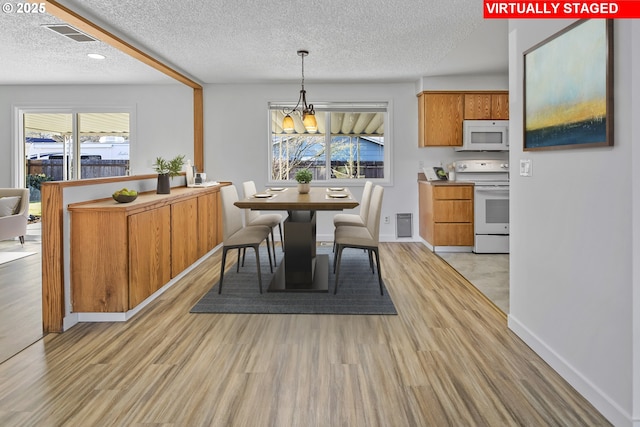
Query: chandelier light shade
point(287, 124)
point(307, 113)
point(309, 122)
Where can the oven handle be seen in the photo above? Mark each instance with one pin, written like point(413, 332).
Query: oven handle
point(494, 189)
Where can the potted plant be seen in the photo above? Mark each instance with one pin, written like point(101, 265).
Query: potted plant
point(304, 177)
point(167, 169)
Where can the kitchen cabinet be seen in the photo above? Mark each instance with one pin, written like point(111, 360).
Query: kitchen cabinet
point(446, 213)
point(121, 253)
point(486, 106)
point(440, 119)
point(440, 114)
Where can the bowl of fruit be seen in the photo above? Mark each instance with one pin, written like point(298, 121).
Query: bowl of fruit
point(125, 195)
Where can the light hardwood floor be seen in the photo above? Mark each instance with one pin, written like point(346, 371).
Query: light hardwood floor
point(447, 359)
point(21, 295)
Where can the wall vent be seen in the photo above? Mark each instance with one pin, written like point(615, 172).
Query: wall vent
point(403, 225)
point(70, 32)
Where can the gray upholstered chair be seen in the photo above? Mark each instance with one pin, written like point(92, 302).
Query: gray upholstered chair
point(367, 238)
point(14, 213)
point(237, 236)
point(256, 218)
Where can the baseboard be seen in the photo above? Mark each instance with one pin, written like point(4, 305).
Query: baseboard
point(607, 407)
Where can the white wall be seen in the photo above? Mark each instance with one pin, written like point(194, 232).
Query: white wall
point(164, 115)
point(237, 143)
point(574, 271)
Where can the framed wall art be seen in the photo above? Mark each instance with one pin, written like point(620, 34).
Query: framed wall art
point(568, 88)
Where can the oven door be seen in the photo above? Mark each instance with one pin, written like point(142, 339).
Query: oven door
point(491, 209)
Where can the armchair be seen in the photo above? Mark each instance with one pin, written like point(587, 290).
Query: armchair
point(15, 225)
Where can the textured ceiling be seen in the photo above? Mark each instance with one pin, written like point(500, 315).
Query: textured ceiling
point(222, 41)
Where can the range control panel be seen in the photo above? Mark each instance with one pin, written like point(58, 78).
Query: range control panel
point(480, 166)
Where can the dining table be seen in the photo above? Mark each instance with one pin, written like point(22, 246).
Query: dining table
point(301, 268)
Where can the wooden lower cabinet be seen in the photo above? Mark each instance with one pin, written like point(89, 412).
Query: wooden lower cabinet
point(99, 262)
point(210, 223)
point(184, 235)
point(123, 253)
point(149, 253)
point(446, 214)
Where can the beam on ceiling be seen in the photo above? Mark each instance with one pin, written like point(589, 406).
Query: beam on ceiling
point(83, 24)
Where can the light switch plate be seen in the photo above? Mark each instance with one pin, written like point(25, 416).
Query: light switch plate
point(525, 167)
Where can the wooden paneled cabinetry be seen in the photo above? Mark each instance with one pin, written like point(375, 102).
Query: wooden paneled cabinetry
point(209, 222)
point(184, 234)
point(446, 214)
point(149, 260)
point(486, 106)
point(123, 253)
point(440, 119)
point(440, 114)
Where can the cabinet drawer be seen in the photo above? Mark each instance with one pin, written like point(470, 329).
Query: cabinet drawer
point(453, 192)
point(453, 211)
point(453, 234)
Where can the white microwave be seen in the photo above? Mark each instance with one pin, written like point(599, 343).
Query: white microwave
point(485, 135)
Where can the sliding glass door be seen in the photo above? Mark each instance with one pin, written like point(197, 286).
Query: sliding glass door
point(68, 145)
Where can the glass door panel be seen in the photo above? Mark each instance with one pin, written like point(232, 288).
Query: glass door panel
point(104, 144)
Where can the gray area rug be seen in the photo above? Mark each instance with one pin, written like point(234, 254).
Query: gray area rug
point(358, 292)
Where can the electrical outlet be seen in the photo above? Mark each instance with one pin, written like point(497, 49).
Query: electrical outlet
point(387, 219)
point(420, 165)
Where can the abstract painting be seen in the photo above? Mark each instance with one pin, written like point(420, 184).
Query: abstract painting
point(568, 88)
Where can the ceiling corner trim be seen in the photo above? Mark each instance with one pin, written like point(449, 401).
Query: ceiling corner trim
point(81, 23)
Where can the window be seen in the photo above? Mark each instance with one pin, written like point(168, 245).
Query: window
point(349, 144)
point(50, 147)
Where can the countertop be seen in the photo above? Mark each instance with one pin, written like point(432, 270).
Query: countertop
point(423, 180)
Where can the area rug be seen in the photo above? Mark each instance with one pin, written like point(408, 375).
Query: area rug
point(12, 256)
point(358, 291)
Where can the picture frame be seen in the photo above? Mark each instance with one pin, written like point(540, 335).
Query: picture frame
point(440, 173)
point(568, 88)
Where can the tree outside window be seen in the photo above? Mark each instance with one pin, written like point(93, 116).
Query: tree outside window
point(354, 147)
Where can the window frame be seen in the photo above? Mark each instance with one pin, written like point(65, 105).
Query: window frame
point(358, 106)
point(18, 172)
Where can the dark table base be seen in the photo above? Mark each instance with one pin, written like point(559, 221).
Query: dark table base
point(320, 281)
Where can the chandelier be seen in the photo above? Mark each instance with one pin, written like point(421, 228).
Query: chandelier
point(307, 113)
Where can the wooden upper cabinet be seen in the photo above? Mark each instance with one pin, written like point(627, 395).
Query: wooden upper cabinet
point(500, 106)
point(440, 114)
point(486, 106)
point(440, 119)
point(477, 106)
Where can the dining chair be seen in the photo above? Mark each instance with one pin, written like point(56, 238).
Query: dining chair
point(367, 238)
point(256, 218)
point(360, 219)
point(237, 236)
